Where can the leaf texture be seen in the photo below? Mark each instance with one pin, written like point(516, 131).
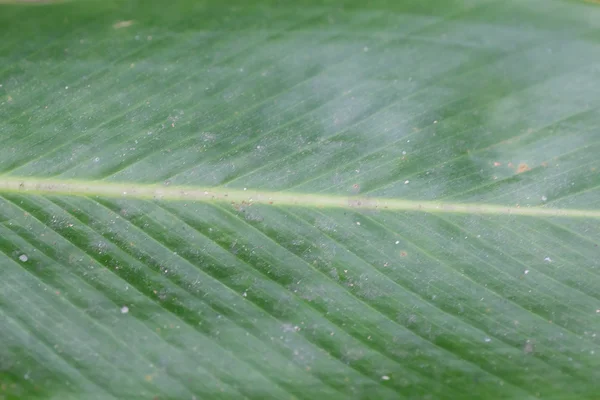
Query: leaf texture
point(300, 200)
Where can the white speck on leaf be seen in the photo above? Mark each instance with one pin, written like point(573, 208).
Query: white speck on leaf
point(487, 339)
point(23, 257)
point(397, 242)
point(548, 259)
point(406, 182)
point(385, 378)
point(544, 198)
point(124, 310)
point(526, 272)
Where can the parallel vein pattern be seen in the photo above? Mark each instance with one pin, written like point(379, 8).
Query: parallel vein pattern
point(270, 200)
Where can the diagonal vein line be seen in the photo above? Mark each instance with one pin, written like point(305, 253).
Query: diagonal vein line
point(102, 327)
point(51, 352)
point(567, 229)
point(143, 47)
point(95, 73)
point(496, 182)
point(407, 289)
point(360, 339)
point(25, 300)
point(535, 315)
point(155, 43)
point(256, 272)
point(176, 317)
point(41, 48)
point(226, 195)
point(352, 295)
point(536, 168)
point(576, 193)
point(580, 237)
point(137, 105)
point(366, 304)
point(405, 37)
point(416, 295)
point(178, 285)
point(387, 163)
point(477, 67)
point(478, 151)
point(565, 287)
point(298, 118)
point(347, 128)
point(180, 101)
point(428, 254)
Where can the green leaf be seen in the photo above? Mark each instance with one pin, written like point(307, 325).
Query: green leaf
point(310, 200)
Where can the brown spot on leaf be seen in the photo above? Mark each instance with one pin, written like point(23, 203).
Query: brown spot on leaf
point(497, 164)
point(122, 24)
point(403, 253)
point(523, 168)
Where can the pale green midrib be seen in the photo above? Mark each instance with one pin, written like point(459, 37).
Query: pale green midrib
point(253, 196)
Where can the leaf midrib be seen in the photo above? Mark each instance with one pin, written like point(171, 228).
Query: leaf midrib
point(249, 196)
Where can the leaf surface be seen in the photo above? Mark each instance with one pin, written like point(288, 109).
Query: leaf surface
point(310, 200)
